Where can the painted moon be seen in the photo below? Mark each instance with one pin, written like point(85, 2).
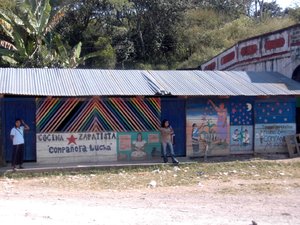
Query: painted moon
point(248, 106)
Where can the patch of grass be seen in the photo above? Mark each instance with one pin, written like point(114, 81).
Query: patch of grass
point(163, 175)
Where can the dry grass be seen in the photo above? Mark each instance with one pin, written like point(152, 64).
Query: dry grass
point(245, 172)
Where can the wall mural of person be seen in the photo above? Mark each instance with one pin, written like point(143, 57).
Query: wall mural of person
point(222, 125)
point(195, 138)
point(138, 145)
point(246, 137)
point(236, 136)
point(207, 126)
point(241, 123)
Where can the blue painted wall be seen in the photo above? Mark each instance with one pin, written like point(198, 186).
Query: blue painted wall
point(173, 109)
point(19, 108)
point(274, 118)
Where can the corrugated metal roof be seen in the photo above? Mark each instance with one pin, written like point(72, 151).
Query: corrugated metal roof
point(226, 83)
point(94, 82)
point(73, 82)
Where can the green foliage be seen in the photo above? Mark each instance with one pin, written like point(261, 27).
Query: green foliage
point(294, 14)
point(106, 57)
point(130, 34)
point(142, 66)
point(206, 43)
point(230, 9)
point(7, 4)
point(271, 9)
point(31, 40)
point(25, 31)
point(237, 29)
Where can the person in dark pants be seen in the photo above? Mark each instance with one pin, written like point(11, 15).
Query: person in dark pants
point(167, 134)
point(17, 137)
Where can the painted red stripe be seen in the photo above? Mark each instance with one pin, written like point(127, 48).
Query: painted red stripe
point(44, 108)
point(273, 44)
point(227, 58)
point(211, 66)
point(249, 50)
point(256, 59)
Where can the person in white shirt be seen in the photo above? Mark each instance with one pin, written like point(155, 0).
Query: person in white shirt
point(17, 137)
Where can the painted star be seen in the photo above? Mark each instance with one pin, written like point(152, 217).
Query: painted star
point(72, 139)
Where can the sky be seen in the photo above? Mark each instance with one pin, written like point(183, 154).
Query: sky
point(286, 3)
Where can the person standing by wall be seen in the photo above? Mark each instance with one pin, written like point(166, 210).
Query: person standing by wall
point(167, 134)
point(17, 137)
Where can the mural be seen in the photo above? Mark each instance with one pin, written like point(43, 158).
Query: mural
point(138, 145)
point(134, 121)
point(273, 121)
point(241, 125)
point(56, 148)
point(207, 127)
point(241, 140)
point(93, 147)
point(97, 114)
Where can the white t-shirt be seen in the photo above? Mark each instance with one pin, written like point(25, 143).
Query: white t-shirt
point(18, 135)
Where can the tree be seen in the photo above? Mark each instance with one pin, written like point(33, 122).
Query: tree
point(30, 38)
point(7, 4)
point(271, 9)
point(233, 8)
point(27, 30)
point(200, 35)
point(153, 30)
point(294, 13)
point(101, 25)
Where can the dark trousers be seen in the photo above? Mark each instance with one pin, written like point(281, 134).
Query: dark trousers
point(17, 155)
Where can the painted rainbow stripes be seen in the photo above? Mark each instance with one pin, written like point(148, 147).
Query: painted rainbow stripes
point(97, 114)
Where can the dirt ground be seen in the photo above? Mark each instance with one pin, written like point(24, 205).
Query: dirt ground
point(216, 202)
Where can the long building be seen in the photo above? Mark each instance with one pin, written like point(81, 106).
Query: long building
point(82, 115)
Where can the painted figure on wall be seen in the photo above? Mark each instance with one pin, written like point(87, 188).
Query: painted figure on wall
point(241, 125)
point(246, 137)
point(222, 126)
point(241, 138)
point(203, 119)
point(139, 144)
point(236, 136)
point(196, 138)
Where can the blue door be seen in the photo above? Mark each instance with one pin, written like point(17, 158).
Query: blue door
point(23, 108)
point(173, 109)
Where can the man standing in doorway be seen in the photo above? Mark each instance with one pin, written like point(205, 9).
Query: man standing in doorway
point(17, 137)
